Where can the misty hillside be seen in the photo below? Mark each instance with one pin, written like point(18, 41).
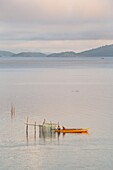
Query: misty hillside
point(6, 54)
point(104, 51)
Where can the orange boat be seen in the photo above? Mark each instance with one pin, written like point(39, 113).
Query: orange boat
point(72, 130)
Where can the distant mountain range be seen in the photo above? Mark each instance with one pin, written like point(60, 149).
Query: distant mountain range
point(104, 51)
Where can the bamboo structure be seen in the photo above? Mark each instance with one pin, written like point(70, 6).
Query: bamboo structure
point(27, 128)
point(44, 129)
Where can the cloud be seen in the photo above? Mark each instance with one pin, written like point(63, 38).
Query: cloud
point(54, 11)
point(57, 32)
point(55, 20)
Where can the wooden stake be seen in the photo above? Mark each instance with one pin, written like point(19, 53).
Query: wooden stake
point(35, 130)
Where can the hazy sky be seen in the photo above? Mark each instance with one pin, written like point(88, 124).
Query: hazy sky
point(55, 25)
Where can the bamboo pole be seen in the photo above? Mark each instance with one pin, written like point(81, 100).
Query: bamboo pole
point(35, 130)
point(12, 111)
point(27, 128)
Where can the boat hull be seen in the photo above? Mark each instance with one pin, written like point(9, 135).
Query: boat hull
point(72, 130)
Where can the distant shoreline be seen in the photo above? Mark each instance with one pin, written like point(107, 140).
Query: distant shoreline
point(104, 51)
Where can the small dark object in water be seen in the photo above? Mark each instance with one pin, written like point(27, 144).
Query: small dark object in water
point(75, 90)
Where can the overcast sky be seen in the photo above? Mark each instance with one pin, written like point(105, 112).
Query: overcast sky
point(55, 25)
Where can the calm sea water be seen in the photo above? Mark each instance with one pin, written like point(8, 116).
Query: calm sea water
point(77, 92)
